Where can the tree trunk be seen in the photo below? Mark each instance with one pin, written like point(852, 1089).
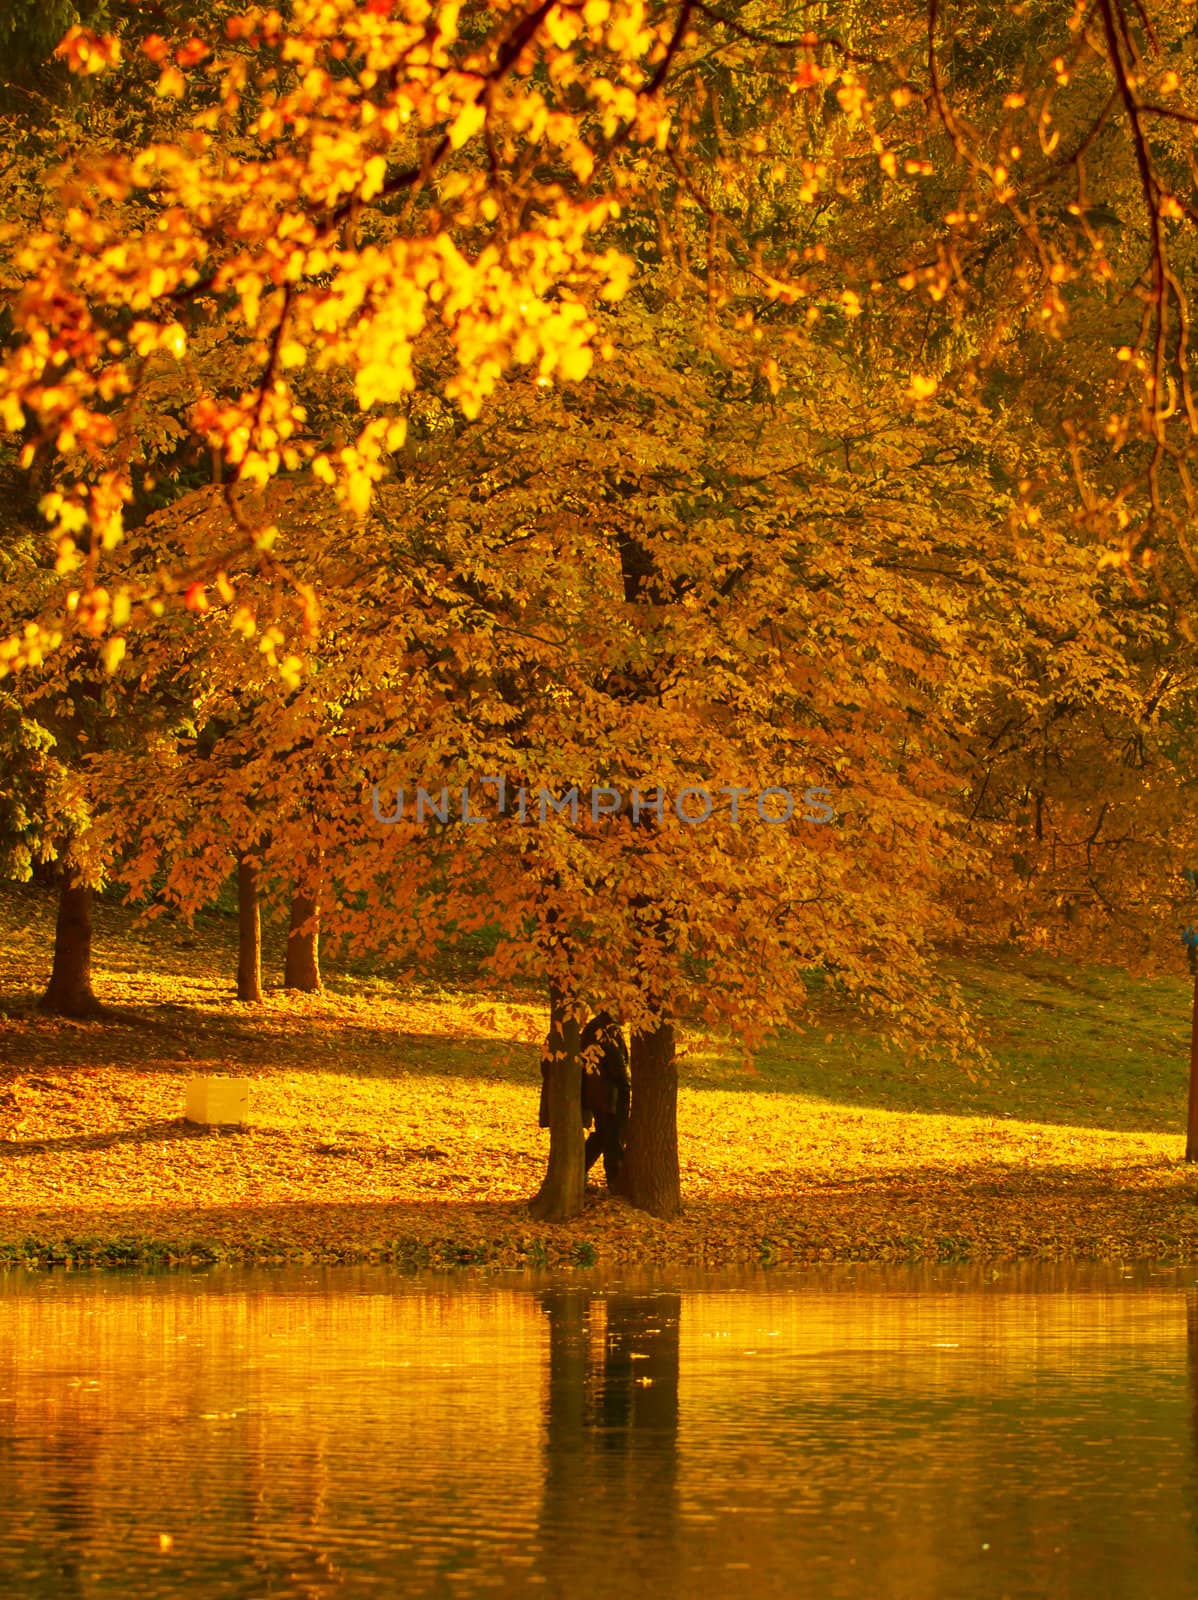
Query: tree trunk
point(649, 1176)
point(249, 932)
point(560, 1195)
point(69, 992)
point(302, 967)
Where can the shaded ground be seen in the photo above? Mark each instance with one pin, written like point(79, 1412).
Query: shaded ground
point(402, 1123)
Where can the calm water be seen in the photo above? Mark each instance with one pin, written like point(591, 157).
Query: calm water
point(925, 1433)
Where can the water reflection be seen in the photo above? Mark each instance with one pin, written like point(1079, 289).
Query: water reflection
point(346, 1433)
point(611, 1436)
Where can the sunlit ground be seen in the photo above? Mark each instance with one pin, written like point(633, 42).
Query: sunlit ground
point(404, 1122)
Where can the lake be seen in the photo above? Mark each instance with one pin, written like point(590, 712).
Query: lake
point(1021, 1431)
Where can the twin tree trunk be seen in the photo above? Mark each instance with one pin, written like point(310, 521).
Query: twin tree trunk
point(302, 965)
point(649, 1176)
point(560, 1195)
point(302, 968)
point(69, 992)
point(249, 932)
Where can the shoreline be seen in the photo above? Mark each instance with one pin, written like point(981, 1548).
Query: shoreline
point(1149, 1214)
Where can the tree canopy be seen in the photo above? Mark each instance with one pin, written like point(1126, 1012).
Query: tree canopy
point(679, 398)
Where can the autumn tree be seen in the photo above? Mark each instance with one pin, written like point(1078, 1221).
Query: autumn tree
point(250, 779)
point(778, 531)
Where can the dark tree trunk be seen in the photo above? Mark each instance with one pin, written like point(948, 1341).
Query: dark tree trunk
point(249, 932)
point(566, 1393)
point(560, 1195)
point(649, 1176)
point(69, 992)
point(302, 968)
point(638, 1414)
point(568, 1478)
point(642, 1340)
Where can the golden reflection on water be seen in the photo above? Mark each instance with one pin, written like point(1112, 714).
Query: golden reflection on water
point(347, 1431)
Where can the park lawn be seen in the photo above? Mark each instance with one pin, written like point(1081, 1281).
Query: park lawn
point(399, 1122)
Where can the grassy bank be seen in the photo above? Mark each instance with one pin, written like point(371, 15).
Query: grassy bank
point(400, 1124)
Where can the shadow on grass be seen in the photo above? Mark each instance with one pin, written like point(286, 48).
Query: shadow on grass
point(1081, 1047)
point(148, 1133)
point(1091, 1091)
point(175, 1038)
point(1072, 1081)
point(1093, 1098)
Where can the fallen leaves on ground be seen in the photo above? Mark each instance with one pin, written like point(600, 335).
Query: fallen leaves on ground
point(425, 1167)
point(404, 1126)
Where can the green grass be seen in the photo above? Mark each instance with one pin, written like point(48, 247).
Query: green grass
point(1082, 1046)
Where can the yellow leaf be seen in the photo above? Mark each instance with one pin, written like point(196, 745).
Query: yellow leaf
point(357, 493)
point(374, 176)
point(466, 124)
point(581, 160)
point(574, 364)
